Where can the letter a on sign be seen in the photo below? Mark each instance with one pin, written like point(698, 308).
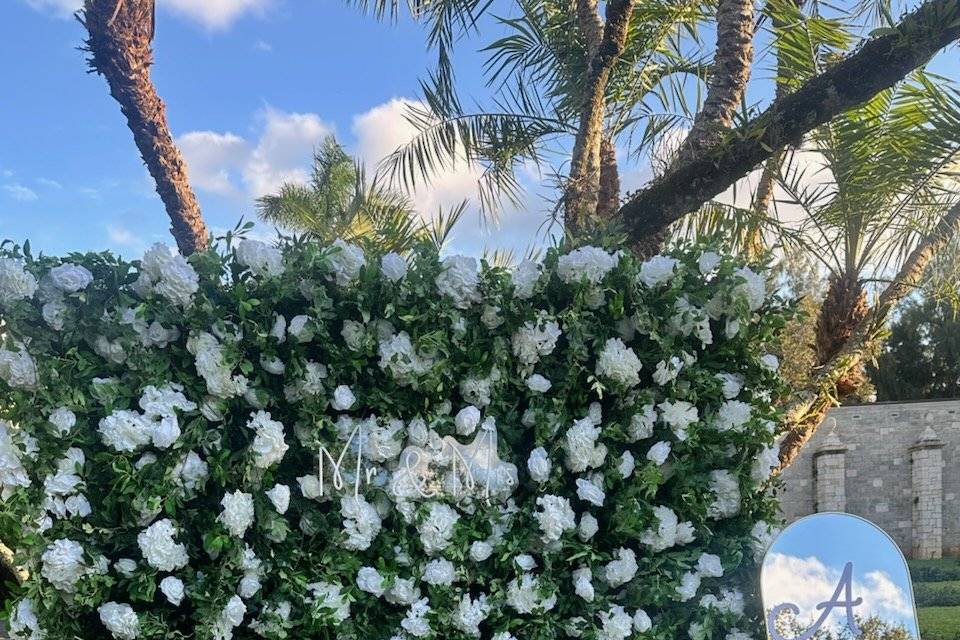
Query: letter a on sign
point(836, 575)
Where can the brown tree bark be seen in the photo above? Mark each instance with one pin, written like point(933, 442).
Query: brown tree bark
point(608, 198)
point(877, 65)
point(120, 35)
point(728, 79)
point(843, 309)
point(583, 185)
point(804, 413)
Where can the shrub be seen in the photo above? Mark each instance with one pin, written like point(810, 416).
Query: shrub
point(934, 570)
point(937, 594)
point(579, 448)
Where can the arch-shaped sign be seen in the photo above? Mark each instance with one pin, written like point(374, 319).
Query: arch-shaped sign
point(836, 576)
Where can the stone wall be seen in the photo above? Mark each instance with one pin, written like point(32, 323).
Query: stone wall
point(895, 464)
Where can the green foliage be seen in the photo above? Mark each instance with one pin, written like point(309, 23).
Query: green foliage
point(937, 594)
point(921, 358)
point(941, 570)
point(339, 202)
point(861, 191)
point(536, 75)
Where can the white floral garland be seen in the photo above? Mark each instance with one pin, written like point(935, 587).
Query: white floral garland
point(313, 442)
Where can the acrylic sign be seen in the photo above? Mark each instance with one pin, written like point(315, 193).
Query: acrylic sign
point(837, 576)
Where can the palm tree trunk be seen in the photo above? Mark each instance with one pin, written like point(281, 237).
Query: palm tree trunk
point(583, 185)
point(877, 65)
point(608, 200)
point(119, 42)
point(808, 406)
point(844, 308)
point(728, 79)
point(728, 82)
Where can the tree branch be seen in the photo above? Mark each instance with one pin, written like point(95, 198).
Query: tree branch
point(580, 199)
point(120, 35)
point(728, 79)
point(809, 405)
point(879, 64)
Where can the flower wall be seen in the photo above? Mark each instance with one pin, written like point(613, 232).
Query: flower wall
point(310, 442)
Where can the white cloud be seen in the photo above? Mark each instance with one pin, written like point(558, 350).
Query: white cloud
point(212, 159)
point(210, 14)
point(50, 184)
point(263, 45)
point(61, 8)
point(806, 582)
point(215, 14)
point(383, 129)
point(124, 237)
point(20, 193)
point(284, 150)
point(228, 165)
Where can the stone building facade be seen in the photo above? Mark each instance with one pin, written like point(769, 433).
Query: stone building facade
point(895, 464)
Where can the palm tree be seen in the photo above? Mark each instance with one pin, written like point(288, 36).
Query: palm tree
point(561, 79)
point(339, 202)
point(120, 33)
point(881, 184)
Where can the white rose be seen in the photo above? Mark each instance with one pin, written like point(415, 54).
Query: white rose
point(346, 261)
point(261, 258)
point(370, 580)
point(343, 398)
point(459, 281)
point(480, 550)
point(770, 362)
point(708, 262)
point(62, 564)
point(538, 383)
point(539, 465)
point(753, 289)
point(279, 496)
point(618, 362)
point(657, 270)
point(159, 548)
point(15, 282)
point(310, 486)
point(658, 453)
point(54, 314)
point(585, 263)
point(237, 514)
point(299, 329)
point(589, 492)
point(63, 419)
point(467, 420)
point(172, 588)
point(120, 620)
point(393, 266)
point(268, 445)
point(70, 278)
point(525, 278)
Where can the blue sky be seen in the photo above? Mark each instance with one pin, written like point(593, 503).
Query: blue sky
point(250, 87)
point(248, 93)
point(804, 564)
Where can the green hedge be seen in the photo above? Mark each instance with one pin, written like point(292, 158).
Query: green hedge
point(937, 594)
point(935, 570)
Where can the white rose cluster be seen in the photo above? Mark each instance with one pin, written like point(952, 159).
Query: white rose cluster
point(262, 259)
point(159, 548)
point(15, 282)
point(168, 275)
point(297, 440)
